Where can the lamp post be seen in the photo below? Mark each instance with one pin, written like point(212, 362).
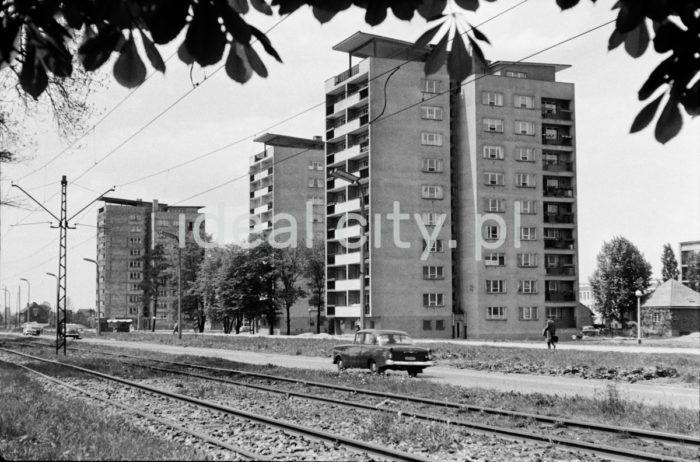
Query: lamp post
point(7, 311)
point(58, 295)
point(355, 180)
point(179, 286)
point(639, 294)
point(29, 292)
point(97, 288)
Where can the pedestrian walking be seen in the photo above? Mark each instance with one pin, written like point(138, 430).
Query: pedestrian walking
point(175, 329)
point(550, 334)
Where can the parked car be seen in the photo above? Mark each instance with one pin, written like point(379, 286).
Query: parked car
point(380, 350)
point(590, 331)
point(32, 329)
point(74, 330)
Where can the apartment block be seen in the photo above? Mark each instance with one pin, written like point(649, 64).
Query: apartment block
point(685, 250)
point(127, 232)
point(286, 191)
point(489, 168)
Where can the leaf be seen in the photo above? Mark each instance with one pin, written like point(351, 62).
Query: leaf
point(629, 16)
point(237, 67)
point(33, 76)
point(566, 4)
point(235, 25)
point(427, 36)
point(437, 56)
point(646, 115)
point(129, 70)
point(657, 77)
point(666, 36)
point(616, 39)
point(432, 9)
point(459, 61)
point(261, 6)
point(477, 51)
point(670, 121)
point(267, 45)
point(691, 100)
point(205, 40)
point(471, 5)
point(375, 13)
point(403, 10)
point(166, 18)
point(637, 40)
point(322, 15)
point(255, 61)
point(184, 55)
point(152, 53)
point(241, 6)
point(478, 35)
point(95, 51)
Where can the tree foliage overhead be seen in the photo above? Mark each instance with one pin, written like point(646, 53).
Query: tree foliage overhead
point(33, 36)
point(669, 264)
point(621, 271)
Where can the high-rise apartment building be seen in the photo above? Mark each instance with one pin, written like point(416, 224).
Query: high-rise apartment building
point(286, 192)
point(127, 231)
point(470, 194)
point(686, 249)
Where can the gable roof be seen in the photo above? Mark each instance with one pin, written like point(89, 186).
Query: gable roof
point(673, 294)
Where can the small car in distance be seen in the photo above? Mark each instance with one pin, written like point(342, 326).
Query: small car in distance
point(590, 331)
point(380, 350)
point(74, 330)
point(32, 329)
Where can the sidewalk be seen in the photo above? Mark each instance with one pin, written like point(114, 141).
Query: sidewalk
point(673, 396)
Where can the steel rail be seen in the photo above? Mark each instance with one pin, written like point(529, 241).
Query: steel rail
point(490, 429)
point(281, 424)
point(639, 432)
point(168, 423)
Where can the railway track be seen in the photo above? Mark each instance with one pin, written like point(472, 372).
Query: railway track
point(356, 445)
point(650, 438)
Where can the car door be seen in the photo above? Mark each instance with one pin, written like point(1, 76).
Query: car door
point(354, 352)
point(368, 348)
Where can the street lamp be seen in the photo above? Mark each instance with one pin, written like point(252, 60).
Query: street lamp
point(639, 294)
point(58, 295)
point(97, 288)
point(355, 180)
point(29, 291)
point(179, 286)
point(7, 311)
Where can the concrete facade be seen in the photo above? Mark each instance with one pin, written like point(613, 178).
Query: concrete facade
point(127, 231)
point(469, 156)
point(685, 249)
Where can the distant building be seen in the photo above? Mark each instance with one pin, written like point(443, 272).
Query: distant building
point(287, 190)
point(685, 250)
point(586, 298)
point(127, 231)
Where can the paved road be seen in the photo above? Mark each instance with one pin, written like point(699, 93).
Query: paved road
point(674, 396)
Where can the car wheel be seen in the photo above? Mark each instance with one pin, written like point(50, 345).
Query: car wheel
point(341, 364)
point(373, 368)
point(414, 371)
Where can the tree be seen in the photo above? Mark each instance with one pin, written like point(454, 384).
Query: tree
point(315, 273)
point(206, 284)
point(214, 26)
point(289, 263)
point(694, 271)
point(669, 264)
point(621, 271)
point(155, 276)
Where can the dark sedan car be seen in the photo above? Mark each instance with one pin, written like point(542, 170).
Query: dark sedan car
point(379, 350)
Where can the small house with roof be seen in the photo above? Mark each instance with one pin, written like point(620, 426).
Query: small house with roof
point(672, 309)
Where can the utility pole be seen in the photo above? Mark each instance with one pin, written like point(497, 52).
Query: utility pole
point(29, 297)
point(97, 288)
point(63, 226)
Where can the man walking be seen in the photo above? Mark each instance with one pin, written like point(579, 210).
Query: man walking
point(549, 332)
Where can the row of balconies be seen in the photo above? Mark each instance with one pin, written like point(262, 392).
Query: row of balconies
point(559, 191)
point(557, 166)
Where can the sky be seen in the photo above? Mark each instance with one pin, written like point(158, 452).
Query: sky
point(628, 185)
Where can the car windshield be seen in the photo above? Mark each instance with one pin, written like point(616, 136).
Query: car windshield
point(395, 339)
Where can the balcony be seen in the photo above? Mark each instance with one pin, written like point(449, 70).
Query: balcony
point(559, 114)
point(558, 166)
point(565, 296)
point(347, 284)
point(563, 140)
point(345, 154)
point(559, 244)
point(559, 192)
point(561, 270)
point(347, 232)
point(343, 207)
point(347, 259)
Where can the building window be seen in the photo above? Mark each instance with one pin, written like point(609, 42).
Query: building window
point(433, 299)
point(315, 182)
point(134, 275)
point(315, 165)
point(527, 260)
point(161, 315)
point(431, 112)
point(427, 324)
point(524, 128)
point(525, 154)
point(136, 229)
point(133, 310)
point(551, 233)
point(439, 324)
point(433, 272)
point(135, 252)
point(494, 178)
point(552, 286)
point(495, 286)
point(431, 139)
point(317, 218)
point(432, 192)
point(517, 75)
point(429, 218)
point(528, 313)
point(528, 207)
point(436, 246)
point(134, 298)
point(134, 287)
point(524, 101)
point(495, 312)
point(493, 125)
point(495, 259)
point(135, 264)
point(493, 152)
point(527, 286)
point(492, 232)
point(525, 180)
point(433, 165)
point(656, 316)
point(316, 200)
point(528, 233)
point(492, 98)
point(554, 312)
point(496, 205)
point(431, 86)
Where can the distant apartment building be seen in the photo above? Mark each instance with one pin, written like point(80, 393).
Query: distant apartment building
point(685, 250)
point(487, 167)
point(127, 231)
point(286, 190)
